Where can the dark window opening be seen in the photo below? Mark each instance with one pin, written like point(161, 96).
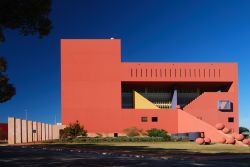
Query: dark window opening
point(161, 93)
point(115, 134)
point(154, 119)
point(230, 119)
point(144, 119)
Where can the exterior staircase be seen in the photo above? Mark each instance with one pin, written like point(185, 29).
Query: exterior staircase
point(189, 123)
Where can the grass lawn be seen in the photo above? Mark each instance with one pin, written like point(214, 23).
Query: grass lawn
point(187, 146)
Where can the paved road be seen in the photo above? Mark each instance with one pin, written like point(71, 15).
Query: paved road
point(95, 155)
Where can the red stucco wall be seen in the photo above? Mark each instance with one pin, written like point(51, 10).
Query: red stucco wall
point(91, 76)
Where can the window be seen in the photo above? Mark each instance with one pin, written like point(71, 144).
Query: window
point(144, 119)
point(154, 119)
point(230, 119)
point(115, 134)
point(224, 105)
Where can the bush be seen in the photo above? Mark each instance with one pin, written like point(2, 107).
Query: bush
point(158, 133)
point(243, 129)
point(133, 131)
point(73, 130)
point(111, 139)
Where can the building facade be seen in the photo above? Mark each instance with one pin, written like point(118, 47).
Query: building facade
point(107, 95)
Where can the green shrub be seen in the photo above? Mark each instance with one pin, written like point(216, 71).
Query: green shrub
point(158, 133)
point(243, 129)
point(73, 130)
point(113, 139)
point(133, 131)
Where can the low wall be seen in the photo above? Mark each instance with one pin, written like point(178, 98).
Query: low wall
point(26, 131)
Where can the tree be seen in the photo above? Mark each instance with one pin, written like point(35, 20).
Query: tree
point(7, 90)
point(30, 17)
point(243, 129)
point(158, 133)
point(133, 131)
point(73, 130)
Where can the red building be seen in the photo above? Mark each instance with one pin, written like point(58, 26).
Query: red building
point(108, 96)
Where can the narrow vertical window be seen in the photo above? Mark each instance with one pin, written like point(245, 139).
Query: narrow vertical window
point(214, 73)
point(170, 73)
point(194, 72)
point(155, 72)
point(151, 72)
point(219, 73)
point(141, 72)
point(204, 73)
point(165, 71)
point(209, 73)
point(146, 72)
point(131, 72)
point(174, 72)
point(199, 73)
point(136, 73)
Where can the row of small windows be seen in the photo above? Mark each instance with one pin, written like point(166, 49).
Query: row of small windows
point(230, 119)
point(174, 72)
point(155, 119)
point(145, 119)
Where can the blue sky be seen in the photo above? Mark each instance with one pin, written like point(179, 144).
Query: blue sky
point(150, 30)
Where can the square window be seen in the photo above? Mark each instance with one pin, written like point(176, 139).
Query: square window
point(224, 105)
point(154, 119)
point(115, 134)
point(144, 119)
point(230, 119)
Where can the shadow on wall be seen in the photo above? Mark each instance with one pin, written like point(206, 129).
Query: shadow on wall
point(3, 131)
